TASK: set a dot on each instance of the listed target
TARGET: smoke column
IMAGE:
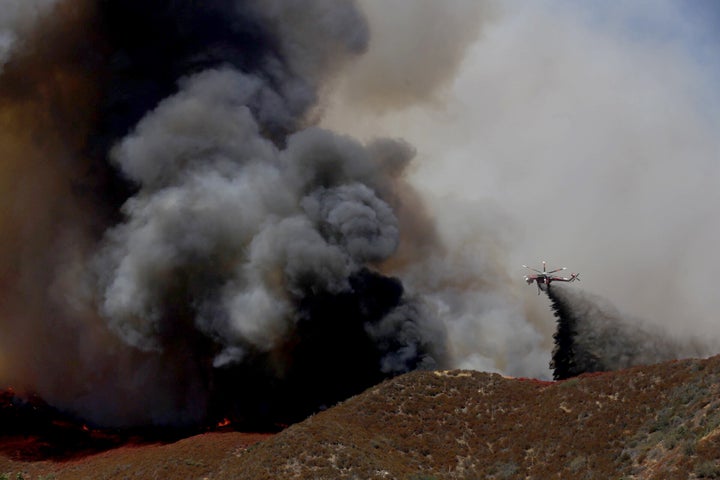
(581, 133)
(197, 218)
(180, 243)
(593, 336)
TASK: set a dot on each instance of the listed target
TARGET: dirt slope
(656, 422)
(652, 422)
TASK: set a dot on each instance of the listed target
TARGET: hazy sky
(581, 133)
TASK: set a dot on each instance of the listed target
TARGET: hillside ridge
(651, 422)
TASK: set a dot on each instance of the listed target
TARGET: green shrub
(577, 463)
(689, 448)
(707, 470)
(506, 471)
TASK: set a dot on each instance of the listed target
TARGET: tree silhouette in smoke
(563, 361)
(593, 336)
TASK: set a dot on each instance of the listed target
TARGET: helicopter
(545, 278)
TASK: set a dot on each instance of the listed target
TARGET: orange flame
(224, 423)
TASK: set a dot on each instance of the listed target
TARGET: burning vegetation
(33, 430)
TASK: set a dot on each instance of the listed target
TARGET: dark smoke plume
(209, 253)
(592, 336)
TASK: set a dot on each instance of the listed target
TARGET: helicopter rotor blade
(533, 269)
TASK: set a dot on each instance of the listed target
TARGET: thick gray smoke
(253, 227)
(229, 262)
(593, 336)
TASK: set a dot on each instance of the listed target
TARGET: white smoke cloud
(592, 130)
(6, 42)
(414, 52)
(16, 19)
(20, 14)
(209, 120)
